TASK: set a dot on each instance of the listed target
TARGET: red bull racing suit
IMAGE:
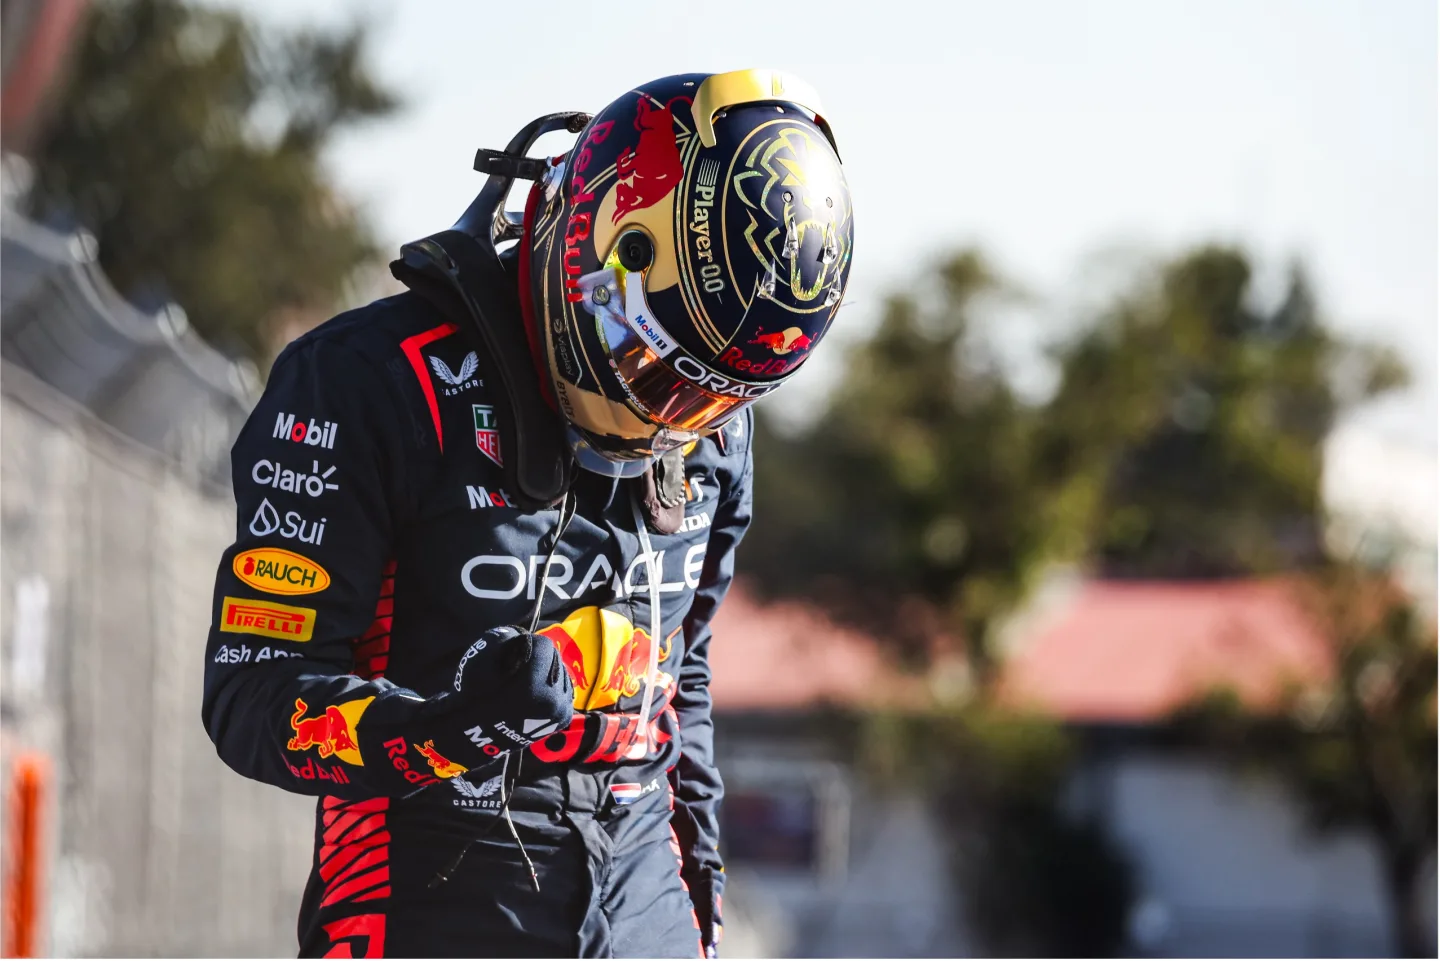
(374, 541)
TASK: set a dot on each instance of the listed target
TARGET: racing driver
(483, 527)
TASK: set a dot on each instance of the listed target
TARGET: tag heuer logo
(487, 438)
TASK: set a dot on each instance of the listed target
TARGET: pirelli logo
(268, 619)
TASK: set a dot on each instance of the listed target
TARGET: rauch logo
(278, 571)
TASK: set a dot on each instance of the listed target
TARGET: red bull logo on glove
(606, 655)
(439, 764)
(331, 733)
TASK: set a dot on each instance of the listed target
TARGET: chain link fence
(114, 509)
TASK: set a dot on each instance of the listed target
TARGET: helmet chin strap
(596, 463)
(533, 332)
(459, 272)
(652, 662)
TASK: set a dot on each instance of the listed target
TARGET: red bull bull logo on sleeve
(331, 733)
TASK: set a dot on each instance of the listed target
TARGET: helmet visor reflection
(642, 351)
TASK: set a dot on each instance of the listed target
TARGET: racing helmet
(683, 259)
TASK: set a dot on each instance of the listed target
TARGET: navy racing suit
(374, 541)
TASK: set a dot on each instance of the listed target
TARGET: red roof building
(1134, 651)
(790, 656)
(1106, 651)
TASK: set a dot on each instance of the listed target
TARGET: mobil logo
(313, 434)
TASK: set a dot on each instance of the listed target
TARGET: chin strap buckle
(504, 164)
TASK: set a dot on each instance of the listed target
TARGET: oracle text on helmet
(693, 371)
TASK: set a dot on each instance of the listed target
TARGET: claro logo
(277, 571)
(268, 473)
(501, 577)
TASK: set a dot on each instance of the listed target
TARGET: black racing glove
(707, 915)
(509, 689)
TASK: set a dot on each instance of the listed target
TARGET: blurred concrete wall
(1227, 866)
(109, 550)
(880, 884)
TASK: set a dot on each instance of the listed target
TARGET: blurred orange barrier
(31, 776)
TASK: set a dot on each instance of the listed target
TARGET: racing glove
(710, 927)
(510, 689)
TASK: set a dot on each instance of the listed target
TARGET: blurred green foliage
(916, 480)
(188, 141)
(1187, 427)
(1183, 440)
(1361, 752)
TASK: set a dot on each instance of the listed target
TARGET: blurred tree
(915, 483)
(1362, 753)
(1188, 425)
(1184, 440)
(188, 142)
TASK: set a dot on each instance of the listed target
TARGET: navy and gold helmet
(684, 258)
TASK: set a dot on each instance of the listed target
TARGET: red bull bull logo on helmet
(792, 340)
(783, 341)
(331, 733)
(606, 655)
(651, 169)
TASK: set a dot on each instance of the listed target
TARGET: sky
(1061, 137)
